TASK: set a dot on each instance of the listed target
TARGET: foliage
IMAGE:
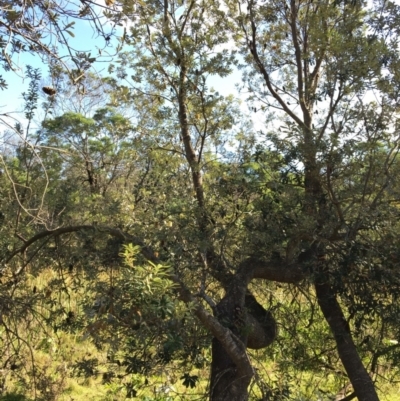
(167, 225)
(46, 28)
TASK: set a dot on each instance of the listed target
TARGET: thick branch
(358, 375)
(186, 138)
(298, 55)
(281, 272)
(235, 348)
(70, 229)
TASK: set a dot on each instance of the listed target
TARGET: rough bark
(358, 375)
(253, 326)
(280, 272)
(227, 382)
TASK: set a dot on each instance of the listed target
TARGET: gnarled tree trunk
(226, 384)
(251, 324)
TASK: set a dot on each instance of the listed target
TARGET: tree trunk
(358, 375)
(225, 383)
(254, 327)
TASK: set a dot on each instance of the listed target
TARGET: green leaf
(71, 24)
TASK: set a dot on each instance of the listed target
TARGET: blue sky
(85, 40)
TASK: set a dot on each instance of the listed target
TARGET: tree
(314, 208)
(322, 59)
(45, 28)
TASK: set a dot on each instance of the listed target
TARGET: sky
(11, 99)
(85, 40)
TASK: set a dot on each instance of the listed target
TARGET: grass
(57, 377)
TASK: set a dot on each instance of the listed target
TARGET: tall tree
(318, 64)
(310, 208)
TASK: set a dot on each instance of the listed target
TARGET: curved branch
(116, 232)
(235, 348)
(281, 271)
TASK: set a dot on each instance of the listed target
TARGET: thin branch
(264, 73)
